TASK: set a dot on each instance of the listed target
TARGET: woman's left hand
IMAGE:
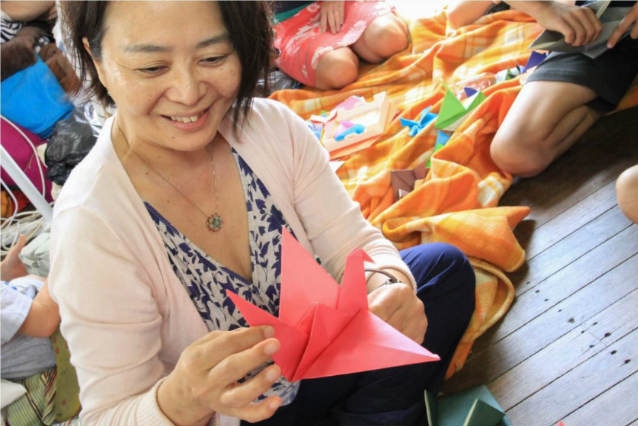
(397, 305)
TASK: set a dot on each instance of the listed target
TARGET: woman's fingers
(243, 393)
(216, 366)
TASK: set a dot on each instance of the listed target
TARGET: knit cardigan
(125, 314)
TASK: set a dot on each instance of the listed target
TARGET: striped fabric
(457, 202)
(36, 407)
(8, 28)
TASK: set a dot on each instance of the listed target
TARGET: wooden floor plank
(490, 363)
(570, 279)
(583, 383)
(570, 248)
(572, 349)
(569, 221)
(615, 406)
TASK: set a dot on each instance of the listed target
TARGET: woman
(322, 42)
(184, 196)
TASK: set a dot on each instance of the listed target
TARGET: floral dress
(206, 280)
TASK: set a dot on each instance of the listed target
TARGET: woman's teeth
(190, 119)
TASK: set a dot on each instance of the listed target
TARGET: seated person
(627, 192)
(321, 43)
(29, 316)
(565, 95)
(185, 196)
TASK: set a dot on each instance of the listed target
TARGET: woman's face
(170, 68)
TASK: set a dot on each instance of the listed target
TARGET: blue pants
(395, 396)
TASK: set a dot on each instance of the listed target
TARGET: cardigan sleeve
(109, 319)
(296, 170)
(333, 221)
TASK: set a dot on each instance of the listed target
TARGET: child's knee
(336, 69)
(627, 192)
(519, 153)
(387, 35)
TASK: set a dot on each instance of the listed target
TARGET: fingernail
(269, 331)
(271, 347)
(273, 374)
(274, 403)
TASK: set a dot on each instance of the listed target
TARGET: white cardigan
(125, 315)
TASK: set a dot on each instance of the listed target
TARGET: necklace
(214, 221)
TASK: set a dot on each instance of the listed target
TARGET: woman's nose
(185, 87)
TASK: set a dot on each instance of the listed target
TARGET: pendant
(214, 222)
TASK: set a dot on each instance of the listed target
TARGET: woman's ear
(87, 47)
(96, 63)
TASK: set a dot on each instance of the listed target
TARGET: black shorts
(609, 75)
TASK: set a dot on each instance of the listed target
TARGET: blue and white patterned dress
(206, 280)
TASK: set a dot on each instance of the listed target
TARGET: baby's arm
(43, 317)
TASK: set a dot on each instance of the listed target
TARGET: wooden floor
(568, 348)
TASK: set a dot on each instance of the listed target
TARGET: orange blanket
(457, 202)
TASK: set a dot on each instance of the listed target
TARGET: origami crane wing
(303, 282)
(367, 343)
(326, 329)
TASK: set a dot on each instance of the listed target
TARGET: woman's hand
(207, 378)
(630, 21)
(331, 16)
(397, 305)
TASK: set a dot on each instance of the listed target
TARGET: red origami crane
(324, 328)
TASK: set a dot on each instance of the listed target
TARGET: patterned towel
(457, 201)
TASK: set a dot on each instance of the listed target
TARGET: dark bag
(71, 140)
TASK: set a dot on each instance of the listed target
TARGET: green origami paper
(453, 110)
(473, 407)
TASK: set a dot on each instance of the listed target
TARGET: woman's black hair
(248, 24)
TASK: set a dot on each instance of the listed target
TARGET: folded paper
(403, 180)
(609, 17)
(416, 126)
(356, 124)
(453, 110)
(326, 329)
(473, 407)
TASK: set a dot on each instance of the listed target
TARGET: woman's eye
(151, 70)
(214, 59)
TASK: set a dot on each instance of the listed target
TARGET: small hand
(401, 308)
(208, 378)
(629, 21)
(331, 16)
(11, 266)
(578, 24)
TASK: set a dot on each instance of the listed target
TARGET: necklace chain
(214, 221)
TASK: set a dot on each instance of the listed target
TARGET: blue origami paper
(416, 126)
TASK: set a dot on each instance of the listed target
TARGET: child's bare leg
(627, 192)
(336, 69)
(543, 122)
(385, 36)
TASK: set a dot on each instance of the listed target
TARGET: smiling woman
(185, 197)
